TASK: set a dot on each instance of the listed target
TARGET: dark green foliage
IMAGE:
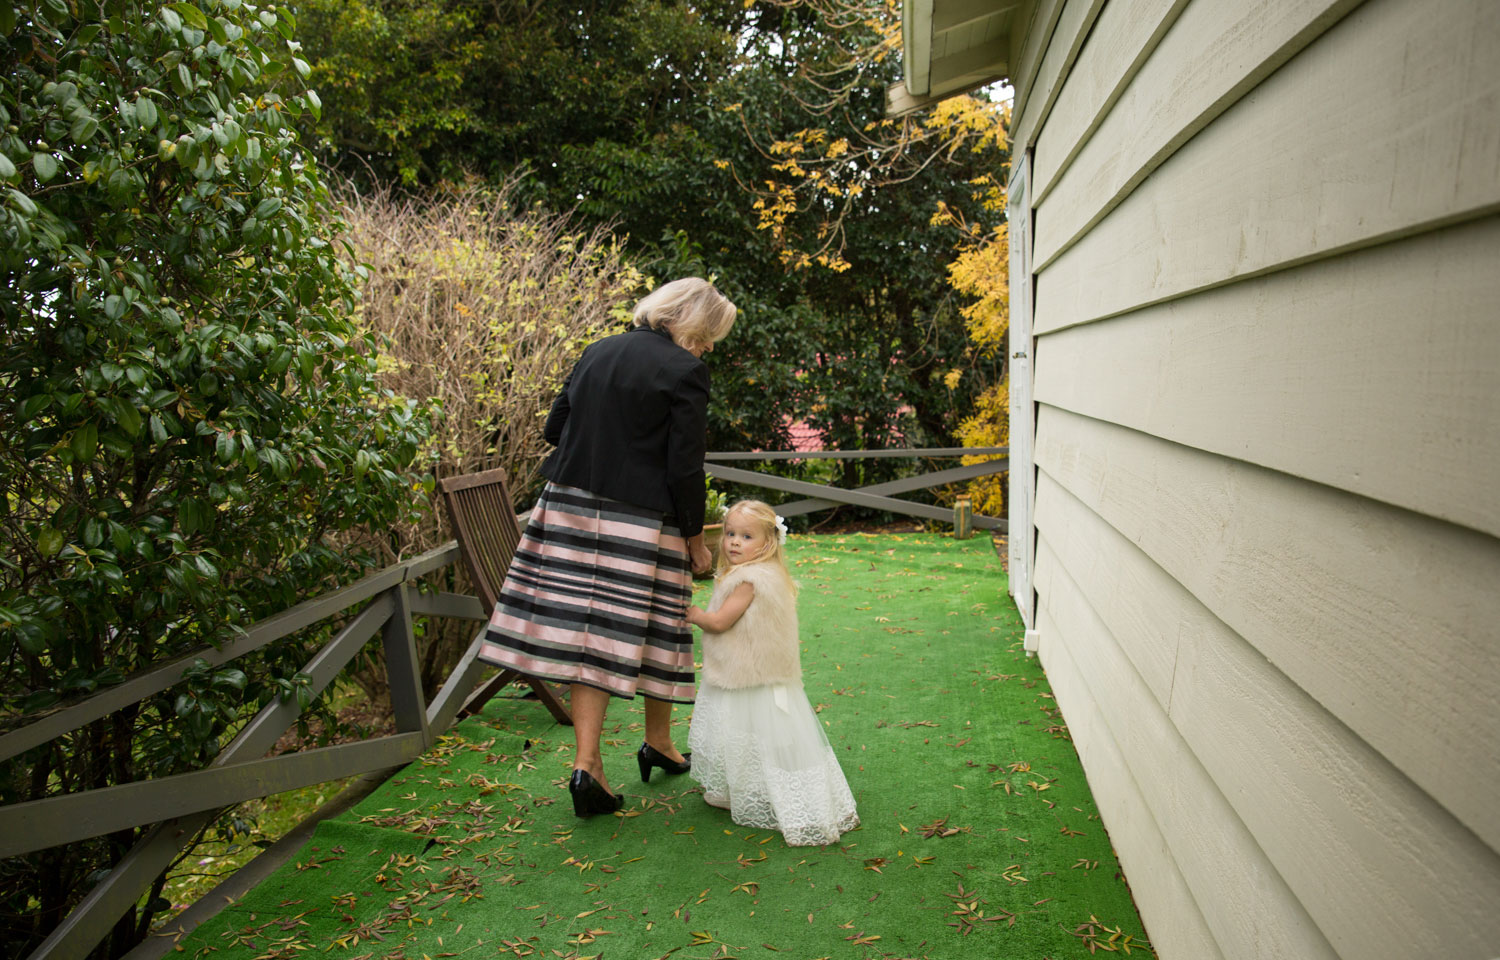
(190, 434)
(655, 116)
(428, 89)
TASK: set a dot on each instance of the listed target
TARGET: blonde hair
(692, 310)
(764, 518)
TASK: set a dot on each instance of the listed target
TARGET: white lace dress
(761, 752)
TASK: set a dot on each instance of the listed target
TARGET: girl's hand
(729, 611)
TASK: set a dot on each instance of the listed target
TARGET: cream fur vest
(762, 647)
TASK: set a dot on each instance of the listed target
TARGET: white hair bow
(780, 529)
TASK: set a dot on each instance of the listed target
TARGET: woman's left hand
(702, 560)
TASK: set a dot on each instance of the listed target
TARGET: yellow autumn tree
(822, 168)
(818, 172)
(981, 271)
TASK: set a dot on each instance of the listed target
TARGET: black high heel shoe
(648, 756)
(590, 798)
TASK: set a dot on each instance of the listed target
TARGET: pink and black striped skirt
(597, 594)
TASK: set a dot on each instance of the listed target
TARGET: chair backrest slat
(484, 521)
(491, 551)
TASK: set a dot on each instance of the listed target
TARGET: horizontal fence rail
(153, 681)
(178, 807)
(817, 496)
(935, 452)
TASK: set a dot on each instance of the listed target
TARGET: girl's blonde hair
(764, 518)
(692, 310)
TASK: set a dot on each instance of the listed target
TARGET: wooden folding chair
(484, 521)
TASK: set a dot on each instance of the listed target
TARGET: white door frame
(1021, 491)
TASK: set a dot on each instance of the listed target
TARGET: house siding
(1266, 337)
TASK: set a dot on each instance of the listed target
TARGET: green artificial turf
(978, 838)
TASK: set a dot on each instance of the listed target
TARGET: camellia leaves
(45, 165)
(145, 111)
(116, 444)
(85, 442)
(83, 129)
(148, 444)
(49, 541)
(33, 405)
(231, 678)
(191, 15)
(280, 466)
(22, 202)
(127, 417)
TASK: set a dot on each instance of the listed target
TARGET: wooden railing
(178, 807)
(877, 496)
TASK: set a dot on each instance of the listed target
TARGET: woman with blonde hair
(597, 594)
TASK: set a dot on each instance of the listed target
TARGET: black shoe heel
(648, 756)
(589, 798)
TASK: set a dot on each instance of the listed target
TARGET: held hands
(728, 613)
(702, 560)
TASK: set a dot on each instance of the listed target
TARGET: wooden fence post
(963, 517)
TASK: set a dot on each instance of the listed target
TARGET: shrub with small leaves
(192, 435)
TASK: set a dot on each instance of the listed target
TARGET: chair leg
(495, 684)
(548, 696)
(485, 693)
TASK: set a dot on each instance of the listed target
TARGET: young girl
(758, 748)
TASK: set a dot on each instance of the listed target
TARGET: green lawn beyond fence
(979, 835)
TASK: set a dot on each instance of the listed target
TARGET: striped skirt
(597, 594)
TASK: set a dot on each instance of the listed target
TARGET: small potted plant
(714, 505)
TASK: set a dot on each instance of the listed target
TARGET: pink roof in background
(805, 438)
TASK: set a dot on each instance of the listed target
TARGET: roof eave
(951, 47)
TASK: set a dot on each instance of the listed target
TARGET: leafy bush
(715, 504)
(485, 306)
(981, 271)
(192, 434)
(988, 426)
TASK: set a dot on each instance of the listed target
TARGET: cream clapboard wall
(1267, 374)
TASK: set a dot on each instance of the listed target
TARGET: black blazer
(631, 424)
